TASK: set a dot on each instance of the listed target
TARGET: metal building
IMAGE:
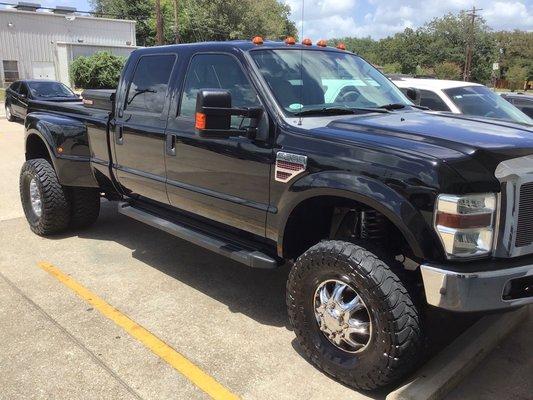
(40, 44)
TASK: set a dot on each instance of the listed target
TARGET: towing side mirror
(214, 112)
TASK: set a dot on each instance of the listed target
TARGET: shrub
(392, 68)
(517, 76)
(99, 71)
(448, 70)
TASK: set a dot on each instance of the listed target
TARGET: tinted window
(23, 89)
(432, 101)
(148, 88)
(15, 87)
(481, 101)
(49, 89)
(216, 71)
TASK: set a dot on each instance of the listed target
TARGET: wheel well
(36, 148)
(331, 217)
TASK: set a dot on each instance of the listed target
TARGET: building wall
(34, 37)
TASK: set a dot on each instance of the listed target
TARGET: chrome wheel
(35, 198)
(342, 316)
(8, 112)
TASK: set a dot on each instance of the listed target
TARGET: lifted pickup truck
(272, 153)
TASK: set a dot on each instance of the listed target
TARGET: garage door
(43, 70)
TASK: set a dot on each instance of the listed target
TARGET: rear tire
(43, 198)
(392, 338)
(85, 207)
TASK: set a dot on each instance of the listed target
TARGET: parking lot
(224, 325)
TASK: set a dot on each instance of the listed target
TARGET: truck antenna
(301, 65)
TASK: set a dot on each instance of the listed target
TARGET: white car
(460, 97)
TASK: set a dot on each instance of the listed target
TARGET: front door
(139, 132)
(227, 179)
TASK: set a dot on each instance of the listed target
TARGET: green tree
(99, 71)
(517, 76)
(392, 68)
(203, 20)
(447, 70)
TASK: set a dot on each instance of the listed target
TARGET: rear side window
(432, 101)
(216, 71)
(148, 88)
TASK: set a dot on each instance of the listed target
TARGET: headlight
(465, 224)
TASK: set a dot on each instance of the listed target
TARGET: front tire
(9, 113)
(44, 200)
(375, 346)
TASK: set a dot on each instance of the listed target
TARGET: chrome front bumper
(473, 291)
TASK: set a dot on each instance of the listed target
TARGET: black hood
(444, 136)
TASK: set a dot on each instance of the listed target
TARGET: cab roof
(243, 45)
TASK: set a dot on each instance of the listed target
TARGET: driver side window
(217, 71)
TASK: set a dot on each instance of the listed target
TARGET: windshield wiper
(337, 111)
(399, 106)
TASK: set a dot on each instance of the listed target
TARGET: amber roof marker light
(257, 40)
(341, 46)
(289, 40)
(307, 42)
(322, 43)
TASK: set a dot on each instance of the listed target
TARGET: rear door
(139, 131)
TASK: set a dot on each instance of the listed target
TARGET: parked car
(522, 101)
(280, 153)
(460, 97)
(20, 93)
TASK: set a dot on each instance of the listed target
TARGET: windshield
(309, 79)
(481, 101)
(49, 89)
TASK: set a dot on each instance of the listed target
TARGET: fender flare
(368, 191)
(72, 163)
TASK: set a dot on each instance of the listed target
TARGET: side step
(250, 257)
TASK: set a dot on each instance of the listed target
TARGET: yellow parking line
(181, 364)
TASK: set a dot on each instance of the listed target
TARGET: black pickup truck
(276, 153)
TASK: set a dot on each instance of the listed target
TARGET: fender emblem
(289, 165)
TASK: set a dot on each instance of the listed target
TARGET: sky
(325, 19)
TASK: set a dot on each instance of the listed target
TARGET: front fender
(68, 146)
(370, 192)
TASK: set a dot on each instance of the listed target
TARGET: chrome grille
(524, 231)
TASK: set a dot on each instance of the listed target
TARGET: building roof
(61, 15)
(431, 83)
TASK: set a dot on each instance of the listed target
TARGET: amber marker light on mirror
(307, 42)
(290, 40)
(257, 40)
(200, 121)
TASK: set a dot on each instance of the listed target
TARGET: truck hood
(433, 134)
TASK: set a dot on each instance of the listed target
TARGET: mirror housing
(214, 111)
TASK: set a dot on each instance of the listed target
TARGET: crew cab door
(222, 179)
(139, 131)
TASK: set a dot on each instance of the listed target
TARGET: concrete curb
(443, 372)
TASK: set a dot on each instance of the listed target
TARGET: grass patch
(2, 94)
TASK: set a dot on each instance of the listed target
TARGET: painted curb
(444, 371)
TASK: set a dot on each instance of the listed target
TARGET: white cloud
(381, 18)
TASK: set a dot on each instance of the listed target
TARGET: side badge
(289, 165)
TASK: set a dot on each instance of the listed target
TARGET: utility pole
(470, 43)
(159, 23)
(176, 30)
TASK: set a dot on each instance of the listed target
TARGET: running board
(252, 258)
